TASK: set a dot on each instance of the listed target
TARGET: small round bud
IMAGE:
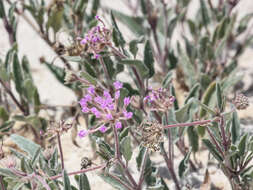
(241, 102)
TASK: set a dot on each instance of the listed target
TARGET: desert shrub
(170, 53)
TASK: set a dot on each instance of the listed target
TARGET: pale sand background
(54, 93)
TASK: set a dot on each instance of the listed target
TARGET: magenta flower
(97, 17)
(127, 101)
(95, 112)
(83, 133)
(117, 94)
(128, 115)
(85, 109)
(97, 56)
(109, 116)
(102, 129)
(91, 90)
(118, 125)
(118, 85)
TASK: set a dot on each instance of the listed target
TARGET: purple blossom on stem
(83, 133)
(127, 101)
(102, 129)
(117, 94)
(128, 115)
(97, 17)
(118, 125)
(109, 116)
(91, 90)
(97, 56)
(118, 85)
(95, 112)
(85, 109)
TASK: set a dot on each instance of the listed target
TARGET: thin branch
(60, 148)
(204, 122)
(79, 172)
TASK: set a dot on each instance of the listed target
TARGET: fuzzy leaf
(183, 114)
(118, 35)
(66, 181)
(243, 145)
(108, 179)
(17, 74)
(141, 67)
(148, 59)
(235, 128)
(193, 138)
(219, 96)
(83, 183)
(126, 148)
(26, 145)
(182, 168)
(193, 92)
(4, 116)
(212, 149)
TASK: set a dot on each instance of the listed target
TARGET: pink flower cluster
(159, 100)
(97, 39)
(105, 108)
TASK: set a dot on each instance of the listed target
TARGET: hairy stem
(170, 166)
(60, 148)
(118, 157)
(2, 183)
(79, 172)
(203, 122)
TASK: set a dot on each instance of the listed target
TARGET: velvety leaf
(173, 93)
(139, 159)
(141, 67)
(235, 128)
(83, 183)
(167, 80)
(212, 149)
(66, 181)
(123, 134)
(126, 148)
(242, 146)
(89, 78)
(171, 26)
(183, 166)
(219, 96)
(204, 13)
(80, 6)
(148, 59)
(244, 23)
(119, 39)
(206, 98)
(17, 74)
(2, 11)
(25, 144)
(114, 183)
(4, 116)
(55, 19)
(183, 114)
(133, 23)
(193, 92)
(7, 173)
(193, 138)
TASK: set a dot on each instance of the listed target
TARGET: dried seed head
(8, 162)
(152, 135)
(159, 100)
(85, 163)
(241, 102)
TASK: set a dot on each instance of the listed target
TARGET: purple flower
(107, 94)
(83, 41)
(97, 56)
(117, 94)
(88, 97)
(118, 125)
(83, 133)
(91, 90)
(118, 85)
(102, 129)
(95, 112)
(127, 101)
(110, 106)
(85, 109)
(109, 116)
(83, 102)
(128, 115)
(97, 17)
(99, 99)
(172, 99)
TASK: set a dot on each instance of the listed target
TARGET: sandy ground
(54, 93)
